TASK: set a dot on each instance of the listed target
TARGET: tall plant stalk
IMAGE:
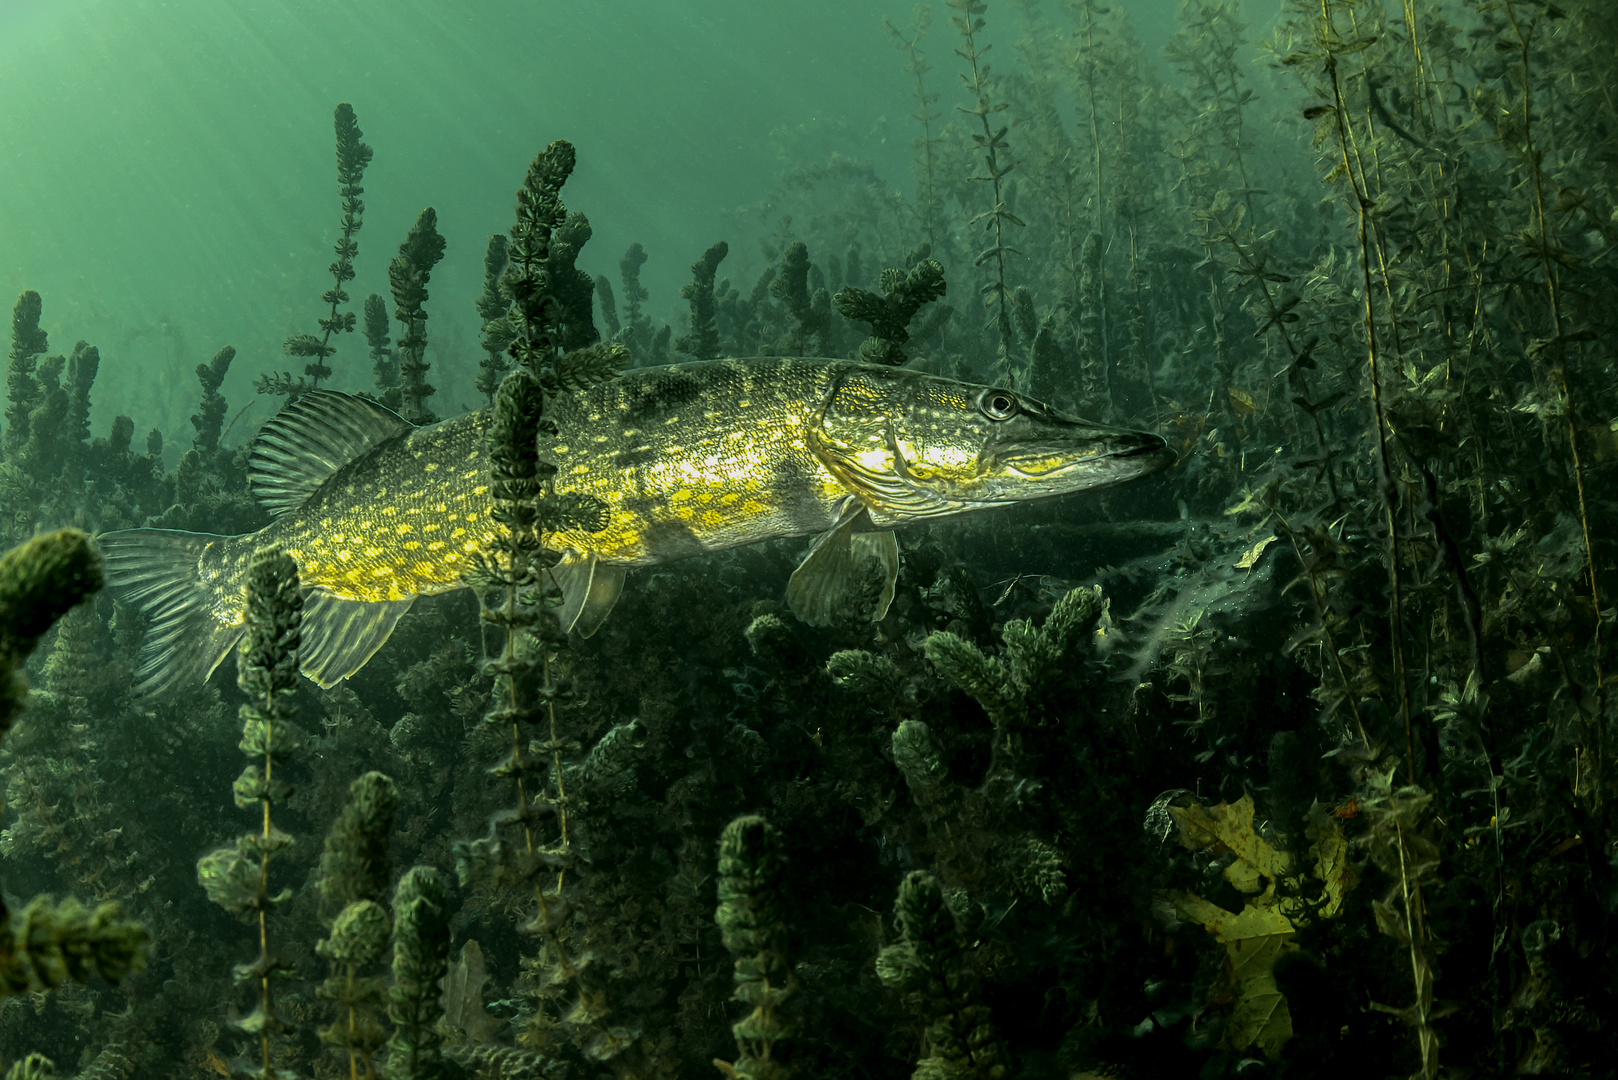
(520, 568)
(1354, 177)
(352, 158)
(969, 23)
(928, 203)
(1555, 347)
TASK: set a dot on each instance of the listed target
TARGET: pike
(687, 459)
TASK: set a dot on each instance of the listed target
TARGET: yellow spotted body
(402, 521)
(686, 458)
(405, 521)
(692, 458)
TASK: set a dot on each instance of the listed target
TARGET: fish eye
(998, 404)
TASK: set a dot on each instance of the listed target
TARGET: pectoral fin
(837, 568)
(883, 549)
(589, 590)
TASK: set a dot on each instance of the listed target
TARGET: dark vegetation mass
(1296, 760)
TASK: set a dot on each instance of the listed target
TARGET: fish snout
(1149, 450)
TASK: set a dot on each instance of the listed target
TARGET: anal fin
(339, 635)
(606, 585)
(590, 588)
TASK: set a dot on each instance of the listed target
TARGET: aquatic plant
(969, 22)
(384, 361)
(751, 918)
(808, 311)
(701, 342)
(352, 158)
(572, 289)
(636, 332)
(889, 315)
(491, 305)
(929, 199)
(518, 572)
(408, 275)
(28, 342)
(237, 878)
(210, 419)
(46, 444)
(609, 305)
(48, 942)
(930, 963)
(40, 581)
(420, 959)
(354, 872)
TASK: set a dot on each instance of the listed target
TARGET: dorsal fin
(313, 437)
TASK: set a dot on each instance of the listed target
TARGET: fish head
(916, 446)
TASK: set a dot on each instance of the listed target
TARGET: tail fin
(187, 632)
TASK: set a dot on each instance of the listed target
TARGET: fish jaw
(1075, 456)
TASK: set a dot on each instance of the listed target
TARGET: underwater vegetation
(1298, 759)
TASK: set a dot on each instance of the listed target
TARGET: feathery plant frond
(352, 158)
(238, 878)
(520, 598)
(408, 275)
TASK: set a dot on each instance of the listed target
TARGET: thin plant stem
(1385, 484)
(264, 878)
(1558, 350)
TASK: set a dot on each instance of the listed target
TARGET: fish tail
(188, 630)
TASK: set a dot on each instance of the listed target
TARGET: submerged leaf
(463, 995)
(1255, 937)
(1230, 825)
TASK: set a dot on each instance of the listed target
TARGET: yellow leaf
(1230, 826)
(463, 995)
(1241, 402)
(1332, 868)
(1253, 938)
(1261, 1017)
(1251, 556)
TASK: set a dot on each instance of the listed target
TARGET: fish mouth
(1138, 454)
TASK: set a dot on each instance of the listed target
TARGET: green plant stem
(353, 1026)
(1384, 470)
(1416, 932)
(918, 67)
(1558, 347)
(264, 877)
(992, 142)
(1099, 314)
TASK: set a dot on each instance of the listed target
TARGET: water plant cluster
(1297, 760)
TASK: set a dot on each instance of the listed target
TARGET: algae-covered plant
(1297, 759)
(352, 158)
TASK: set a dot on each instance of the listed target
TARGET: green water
(167, 171)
